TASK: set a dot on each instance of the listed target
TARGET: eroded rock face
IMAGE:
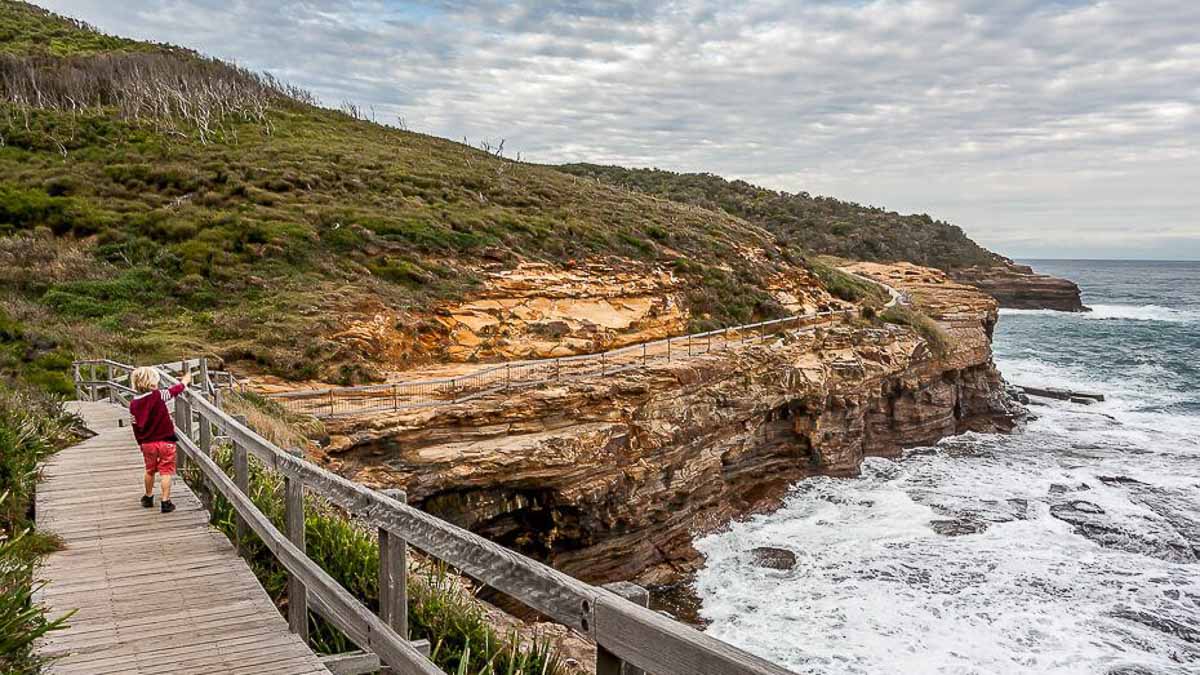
(1019, 287)
(611, 477)
(539, 311)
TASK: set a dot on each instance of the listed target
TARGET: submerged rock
(957, 527)
(1162, 624)
(1150, 537)
(774, 558)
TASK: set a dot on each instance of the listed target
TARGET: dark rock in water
(1189, 634)
(1119, 480)
(1077, 506)
(774, 558)
(680, 600)
(1146, 536)
(957, 527)
(1131, 670)
(1059, 488)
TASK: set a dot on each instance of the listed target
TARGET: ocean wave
(1106, 312)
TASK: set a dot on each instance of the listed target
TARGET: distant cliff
(844, 229)
(1019, 287)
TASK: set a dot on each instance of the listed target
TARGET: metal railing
(628, 635)
(358, 400)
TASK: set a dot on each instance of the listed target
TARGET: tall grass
(441, 610)
(847, 286)
(32, 427)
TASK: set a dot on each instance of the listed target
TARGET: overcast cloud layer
(1045, 129)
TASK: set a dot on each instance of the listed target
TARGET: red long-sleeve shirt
(151, 419)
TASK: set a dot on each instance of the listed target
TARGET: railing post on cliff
(241, 478)
(183, 420)
(293, 516)
(608, 663)
(668, 350)
(643, 353)
(602, 362)
(331, 401)
(393, 575)
(206, 385)
(507, 376)
(395, 398)
(689, 344)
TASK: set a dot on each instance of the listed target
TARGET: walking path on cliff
(477, 381)
(155, 592)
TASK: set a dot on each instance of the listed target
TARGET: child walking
(155, 432)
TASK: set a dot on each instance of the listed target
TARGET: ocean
(1070, 547)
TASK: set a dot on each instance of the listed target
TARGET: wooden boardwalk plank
(155, 593)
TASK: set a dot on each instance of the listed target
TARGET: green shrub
(32, 427)
(938, 340)
(847, 286)
(36, 359)
(22, 621)
(133, 290)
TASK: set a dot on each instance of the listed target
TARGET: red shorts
(159, 457)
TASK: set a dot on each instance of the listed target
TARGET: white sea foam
(1102, 312)
(880, 587)
(877, 590)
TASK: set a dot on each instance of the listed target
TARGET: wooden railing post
(297, 594)
(183, 422)
(393, 575)
(206, 386)
(78, 377)
(108, 377)
(608, 663)
(241, 478)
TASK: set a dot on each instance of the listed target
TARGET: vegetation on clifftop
(174, 203)
(823, 224)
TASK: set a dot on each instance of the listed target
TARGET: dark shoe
(147, 501)
(167, 506)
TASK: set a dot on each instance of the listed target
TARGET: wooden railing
(629, 637)
(358, 400)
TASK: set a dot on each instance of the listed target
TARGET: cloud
(1034, 125)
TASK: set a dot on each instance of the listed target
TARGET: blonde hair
(144, 379)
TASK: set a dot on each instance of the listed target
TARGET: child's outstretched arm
(177, 388)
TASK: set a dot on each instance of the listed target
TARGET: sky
(1045, 129)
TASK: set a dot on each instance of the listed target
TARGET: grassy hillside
(823, 224)
(155, 203)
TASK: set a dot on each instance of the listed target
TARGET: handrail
(512, 375)
(623, 631)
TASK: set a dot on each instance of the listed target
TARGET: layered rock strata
(611, 477)
(1019, 287)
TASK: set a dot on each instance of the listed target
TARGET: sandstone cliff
(611, 477)
(1019, 287)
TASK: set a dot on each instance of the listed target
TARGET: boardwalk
(156, 593)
